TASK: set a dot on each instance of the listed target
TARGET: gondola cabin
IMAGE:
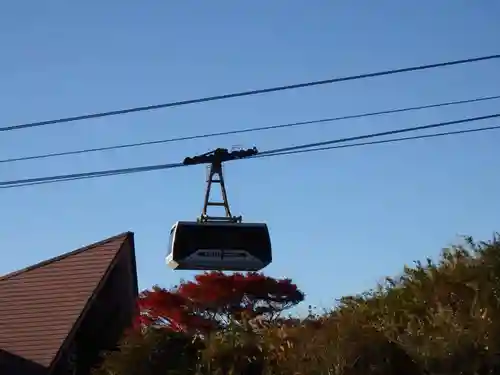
(221, 246)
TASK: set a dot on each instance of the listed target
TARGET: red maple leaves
(214, 300)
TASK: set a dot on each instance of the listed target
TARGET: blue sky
(339, 220)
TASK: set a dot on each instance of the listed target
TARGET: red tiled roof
(40, 305)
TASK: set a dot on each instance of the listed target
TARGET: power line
(275, 152)
(249, 130)
(248, 93)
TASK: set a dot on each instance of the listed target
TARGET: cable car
(219, 243)
(222, 246)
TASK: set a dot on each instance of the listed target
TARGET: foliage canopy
(438, 317)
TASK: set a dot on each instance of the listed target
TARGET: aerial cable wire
(247, 93)
(275, 152)
(112, 172)
(349, 145)
(383, 141)
(380, 134)
(250, 130)
(89, 176)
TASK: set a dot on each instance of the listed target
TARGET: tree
(216, 301)
(152, 352)
(435, 318)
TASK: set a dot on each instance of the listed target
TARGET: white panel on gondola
(219, 246)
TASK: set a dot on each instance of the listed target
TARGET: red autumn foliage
(214, 300)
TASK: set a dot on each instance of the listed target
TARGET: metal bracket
(215, 175)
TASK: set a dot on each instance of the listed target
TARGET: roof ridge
(65, 255)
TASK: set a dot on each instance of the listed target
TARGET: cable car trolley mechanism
(219, 243)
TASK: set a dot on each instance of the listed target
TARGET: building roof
(41, 305)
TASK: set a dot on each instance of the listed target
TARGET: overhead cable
(388, 140)
(86, 175)
(380, 134)
(247, 93)
(349, 145)
(274, 152)
(249, 130)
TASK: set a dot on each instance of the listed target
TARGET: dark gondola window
(255, 239)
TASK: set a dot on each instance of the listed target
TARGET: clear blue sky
(340, 220)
